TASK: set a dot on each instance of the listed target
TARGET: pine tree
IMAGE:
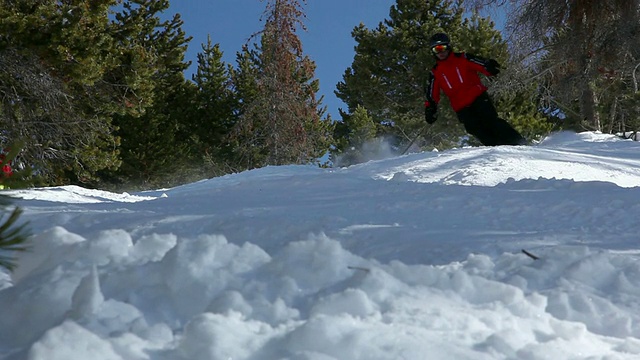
(392, 62)
(245, 82)
(215, 110)
(352, 136)
(155, 143)
(282, 123)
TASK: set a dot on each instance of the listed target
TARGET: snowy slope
(412, 257)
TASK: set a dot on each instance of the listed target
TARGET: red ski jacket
(457, 76)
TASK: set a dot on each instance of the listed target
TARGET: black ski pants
(481, 120)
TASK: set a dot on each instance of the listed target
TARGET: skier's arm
(432, 96)
(488, 67)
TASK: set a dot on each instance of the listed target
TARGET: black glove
(493, 67)
(430, 113)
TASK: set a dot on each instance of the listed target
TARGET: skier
(456, 74)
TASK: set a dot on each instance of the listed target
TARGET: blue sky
(327, 40)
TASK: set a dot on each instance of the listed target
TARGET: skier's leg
(475, 124)
(502, 133)
(507, 134)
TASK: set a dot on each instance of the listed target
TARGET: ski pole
(414, 140)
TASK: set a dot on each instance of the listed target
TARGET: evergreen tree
(282, 123)
(155, 144)
(352, 136)
(392, 63)
(245, 82)
(215, 110)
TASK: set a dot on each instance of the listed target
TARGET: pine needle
(13, 239)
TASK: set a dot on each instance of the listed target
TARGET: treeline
(95, 92)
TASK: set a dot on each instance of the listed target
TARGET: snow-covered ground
(413, 257)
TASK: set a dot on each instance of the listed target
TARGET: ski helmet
(439, 39)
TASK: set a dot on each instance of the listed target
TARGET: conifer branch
(13, 238)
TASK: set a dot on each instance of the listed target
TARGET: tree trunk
(612, 115)
(588, 105)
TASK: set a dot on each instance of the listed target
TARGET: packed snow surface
(412, 257)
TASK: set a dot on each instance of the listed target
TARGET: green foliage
(54, 58)
(521, 109)
(362, 128)
(65, 69)
(13, 237)
(352, 135)
(21, 176)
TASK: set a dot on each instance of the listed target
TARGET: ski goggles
(440, 48)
